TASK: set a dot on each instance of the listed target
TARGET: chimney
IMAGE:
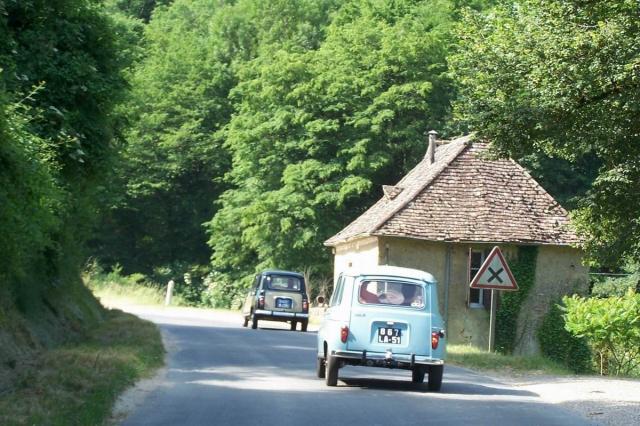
(431, 149)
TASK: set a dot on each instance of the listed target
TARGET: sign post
(494, 274)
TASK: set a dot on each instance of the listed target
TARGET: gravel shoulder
(603, 400)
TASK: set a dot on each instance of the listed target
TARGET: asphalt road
(219, 373)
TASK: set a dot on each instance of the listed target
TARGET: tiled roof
(465, 197)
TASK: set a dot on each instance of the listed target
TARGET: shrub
(560, 345)
(220, 292)
(612, 328)
(188, 279)
(614, 286)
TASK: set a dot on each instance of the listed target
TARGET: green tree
(166, 176)
(56, 139)
(562, 79)
(173, 165)
(612, 328)
(316, 130)
(140, 9)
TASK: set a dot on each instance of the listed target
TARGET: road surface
(219, 373)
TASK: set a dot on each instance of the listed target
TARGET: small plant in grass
(611, 326)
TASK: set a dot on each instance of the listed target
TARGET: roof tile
(464, 196)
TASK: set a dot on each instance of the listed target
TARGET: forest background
(205, 140)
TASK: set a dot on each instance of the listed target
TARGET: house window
(478, 298)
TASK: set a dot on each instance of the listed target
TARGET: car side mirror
(320, 300)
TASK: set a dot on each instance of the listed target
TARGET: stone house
(444, 217)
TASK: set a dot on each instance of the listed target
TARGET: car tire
(435, 377)
(305, 324)
(331, 371)
(245, 322)
(417, 374)
(254, 321)
(294, 324)
(320, 368)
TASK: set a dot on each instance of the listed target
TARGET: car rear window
(392, 293)
(283, 282)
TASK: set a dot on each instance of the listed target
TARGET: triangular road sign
(495, 273)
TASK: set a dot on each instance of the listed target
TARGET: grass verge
(77, 384)
(478, 359)
(114, 289)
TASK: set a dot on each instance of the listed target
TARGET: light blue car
(383, 316)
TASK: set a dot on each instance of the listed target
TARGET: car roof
(390, 271)
(280, 272)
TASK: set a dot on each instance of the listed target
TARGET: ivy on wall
(524, 271)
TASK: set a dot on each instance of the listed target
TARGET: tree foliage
(318, 129)
(140, 9)
(558, 344)
(171, 158)
(172, 167)
(563, 79)
(611, 326)
(60, 81)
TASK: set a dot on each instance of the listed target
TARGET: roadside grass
(478, 359)
(114, 289)
(77, 384)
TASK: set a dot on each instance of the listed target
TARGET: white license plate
(389, 335)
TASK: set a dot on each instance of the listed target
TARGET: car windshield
(391, 293)
(283, 282)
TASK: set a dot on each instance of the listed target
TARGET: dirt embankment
(60, 315)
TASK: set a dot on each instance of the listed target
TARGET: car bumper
(262, 313)
(383, 359)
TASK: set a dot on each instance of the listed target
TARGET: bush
(114, 287)
(612, 328)
(561, 346)
(188, 279)
(220, 292)
(614, 286)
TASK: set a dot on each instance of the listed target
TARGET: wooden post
(167, 299)
(492, 320)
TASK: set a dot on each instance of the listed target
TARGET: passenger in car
(366, 296)
(409, 293)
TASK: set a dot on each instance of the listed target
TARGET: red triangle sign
(495, 273)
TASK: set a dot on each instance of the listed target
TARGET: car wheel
(332, 371)
(245, 322)
(294, 324)
(304, 325)
(435, 377)
(320, 368)
(417, 374)
(254, 321)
